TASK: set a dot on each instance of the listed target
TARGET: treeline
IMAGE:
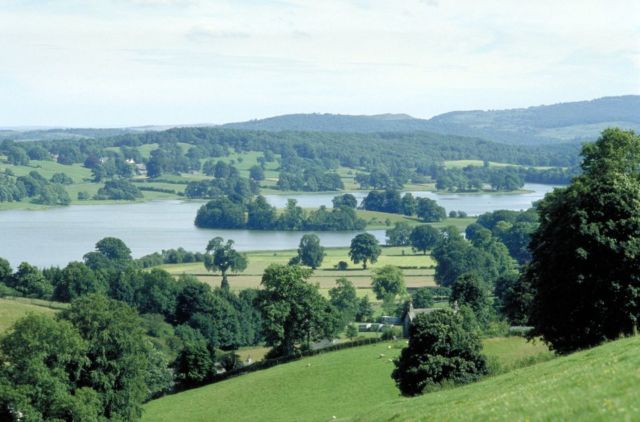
(35, 187)
(475, 178)
(131, 335)
(390, 201)
(257, 214)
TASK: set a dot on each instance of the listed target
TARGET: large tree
(364, 248)
(293, 310)
(424, 237)
(585, 267)
(223, 257)
(310, 252)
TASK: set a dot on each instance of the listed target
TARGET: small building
(410, 315)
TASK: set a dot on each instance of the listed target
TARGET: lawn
(340, 384)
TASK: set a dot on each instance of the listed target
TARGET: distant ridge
(564, 122)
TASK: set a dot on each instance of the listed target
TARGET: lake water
(57, 236)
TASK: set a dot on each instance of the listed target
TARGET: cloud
(200, 34)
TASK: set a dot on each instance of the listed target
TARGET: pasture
(12, 310)
(418, 269)
(341, 384)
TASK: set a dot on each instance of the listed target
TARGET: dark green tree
(76, 280)
(424, 237)
(364, 248)
(388, 282)
(585, 267)
(440, 349)
(429, 210)
(422, 298)
(469, 290)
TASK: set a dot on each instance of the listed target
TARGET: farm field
(451, 164)
(419, 275)
(340, 384)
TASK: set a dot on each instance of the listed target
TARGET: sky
(113, 63)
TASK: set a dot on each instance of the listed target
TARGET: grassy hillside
(12, 310)
(595, 385)
(338, 384)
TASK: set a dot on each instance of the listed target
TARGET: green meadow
(341, 384)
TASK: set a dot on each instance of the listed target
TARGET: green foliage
(62, 179)
(514, 295)
(440, 350)
(119, 190)
(77, 280)
(388, 282)
(585, 265)
(30, 282)
(345, 200)
(364, 248)
(400, 234)
(351, 332)
(293, 310)
(343, 297)
(424, 237)
(223, 257)
(429, 210)
(310, 252)
(468, 290)
(365, 310)
(116, 352)
(221, 213)
(42, 364)
(422, 298)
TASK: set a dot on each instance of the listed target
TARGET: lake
(57, 236)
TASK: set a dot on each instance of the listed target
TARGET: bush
(342, 266)
(441, 350)
(391, 333)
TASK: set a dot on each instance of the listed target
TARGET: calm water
(59, 235)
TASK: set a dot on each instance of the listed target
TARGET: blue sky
(137, 62)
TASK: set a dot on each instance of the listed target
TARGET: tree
(422, 298)
(429, 210)
(256, 173)
(77, 279)
(399, 235)
(364, 248)
(17, 156)
(223, 257)
(114, 249)
(5, 270)
(343, 297)
(514, 295)
(468, 290)
(424, 237)
(365, 310)
(221, 213)
(117, 354)
(261, 215)
(585, 267)
(40, 375)
(440, 349)
(346, 200)
(388, 282)
(310, 252)
(29, 281)
(352, 331)
(293, 311)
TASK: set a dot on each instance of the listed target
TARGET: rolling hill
(564, 122)
(354, 384)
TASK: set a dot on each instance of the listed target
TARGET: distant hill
(565, 122)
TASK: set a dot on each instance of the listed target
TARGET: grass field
(600, 384)
(325, 275)
(12, 310)
(341, 384)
